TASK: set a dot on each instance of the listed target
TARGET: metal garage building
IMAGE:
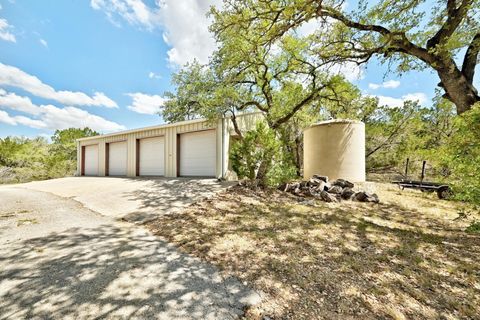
(194, 148)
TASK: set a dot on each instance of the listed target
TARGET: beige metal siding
(169, 131)
(245, 122)
(79, 157)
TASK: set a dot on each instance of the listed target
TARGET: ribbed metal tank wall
(335, 148)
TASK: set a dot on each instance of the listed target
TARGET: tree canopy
(282, 81)
(409, 34)
(25, 159)
(265, 62)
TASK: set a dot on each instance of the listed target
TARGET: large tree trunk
(262, 173)
(458, 89)
(457, 83)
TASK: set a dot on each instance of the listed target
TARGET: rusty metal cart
(443, 190)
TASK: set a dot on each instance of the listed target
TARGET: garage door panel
(91, 160)
(152, 156)
(198, 154)
(117, 159)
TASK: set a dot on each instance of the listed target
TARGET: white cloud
(134, 12)
(146, 104)
(350, 70)
(37, 124)
(184, 24)
(5, 33)
(417, 96)
(18, 103)
(308, 28)
(43, 42)
(420, 97)
(390, 84)
(50, 117)
(186, 29)
(5, 118)
(390, 101)
(14, 77)
(53, 118)
(57, 118)
(153, 75)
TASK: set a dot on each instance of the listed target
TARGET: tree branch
(395, 41)
(252, 103)
(313, 95)
(235, 124)
(470, 60)
(391, 136)
(454, 17)
(332, 13)
(266, 86)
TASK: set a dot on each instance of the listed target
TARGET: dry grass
(406, 258)
(21, 222)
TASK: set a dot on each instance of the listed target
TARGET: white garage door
(91, 160)
(117, 159)
(152, 157)
(198, 154)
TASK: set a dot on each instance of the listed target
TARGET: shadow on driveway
(167, 195)
(130, 199)
(112, 272)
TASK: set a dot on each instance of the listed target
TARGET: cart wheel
(444, 192)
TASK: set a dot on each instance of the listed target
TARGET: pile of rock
(320, 188)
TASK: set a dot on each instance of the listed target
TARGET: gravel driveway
(61, 260)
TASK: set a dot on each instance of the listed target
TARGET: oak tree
(443, 35)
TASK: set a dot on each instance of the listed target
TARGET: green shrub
(24, 159)
(259, 156)
(474, 227)
(461, 154)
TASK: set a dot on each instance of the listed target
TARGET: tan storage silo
(335, 148)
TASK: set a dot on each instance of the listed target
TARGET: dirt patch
(408, 257)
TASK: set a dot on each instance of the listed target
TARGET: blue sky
(106, 64)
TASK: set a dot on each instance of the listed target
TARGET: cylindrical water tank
(335, 148)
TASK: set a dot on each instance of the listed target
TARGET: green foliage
(281, 81)
(263, 63)
(63, 141)
(450, 144)
(461, 154)
(198, 94)
(410, 131)
(258, 146)
(24, 159)
(260, 151)
(62, 160)
(406, 35)
(394, 134)
(474, 227)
